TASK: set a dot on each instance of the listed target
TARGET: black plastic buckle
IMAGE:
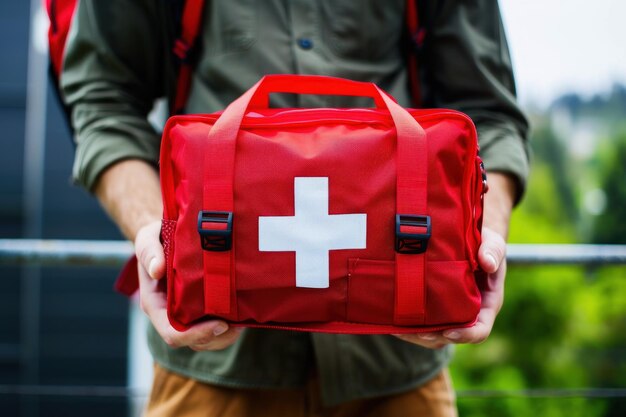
(412, 243)
(216, 240)
(484, 177)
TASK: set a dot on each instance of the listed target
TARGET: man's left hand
(492, 260)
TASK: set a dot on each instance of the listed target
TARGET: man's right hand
(208, 335)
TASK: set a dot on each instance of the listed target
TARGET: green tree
(561, 326)
(610, 226)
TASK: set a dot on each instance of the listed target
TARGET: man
(117, 64)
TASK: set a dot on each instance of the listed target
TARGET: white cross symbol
(312, 232)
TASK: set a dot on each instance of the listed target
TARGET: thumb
(492, 251)
(149, 250)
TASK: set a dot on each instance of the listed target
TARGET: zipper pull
(484, 176)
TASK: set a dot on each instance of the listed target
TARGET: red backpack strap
(417, 35)
(60, 13)
(128, 281)
(190, 28)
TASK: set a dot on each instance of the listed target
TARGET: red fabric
(411, 198)
(60, 13)
(127, 282)
(417, 37)
(245, 161)
(190, 28)
(183, 84)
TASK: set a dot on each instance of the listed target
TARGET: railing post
(34, 158)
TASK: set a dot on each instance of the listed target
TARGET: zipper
(298, 117)
(303, 117)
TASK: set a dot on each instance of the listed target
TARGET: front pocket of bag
(452, 295)
(370, 291)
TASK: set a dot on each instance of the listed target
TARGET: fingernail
(427, 336)
(219, 329)
(152, 267)
(453, 335)
(491, 261)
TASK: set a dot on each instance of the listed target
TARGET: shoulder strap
(183, 46)
(417, 34)
(60, 13)
(128, 281)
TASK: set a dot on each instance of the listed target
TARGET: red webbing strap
(218, 195)
(60, 14)
(183, 84)
(127, 281)
(190, 27)
(417, 38)
(219, 169)
(411, 199)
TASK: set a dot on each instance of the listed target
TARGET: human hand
(208, 335)
(492, 261)
(491, 258)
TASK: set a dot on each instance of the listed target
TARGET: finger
(427, 340)
(492, 290)
(214, 334)
(204, 332)
(209, 335)
(220, 342)
(151, 297)
(150, 251)
(153, 302)
(475, 334)
(492, 251)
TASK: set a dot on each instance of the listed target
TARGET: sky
(561, 46)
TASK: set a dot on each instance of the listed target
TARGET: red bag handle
(312, 84)
(411, 190)
(227, 126)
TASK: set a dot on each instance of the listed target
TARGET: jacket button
(305, 43)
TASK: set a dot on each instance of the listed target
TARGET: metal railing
(64, 252)
(116, 253)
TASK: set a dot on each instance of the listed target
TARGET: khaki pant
(176, 396)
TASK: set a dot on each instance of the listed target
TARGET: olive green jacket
(118, 62)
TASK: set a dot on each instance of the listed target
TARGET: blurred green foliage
(562, 327)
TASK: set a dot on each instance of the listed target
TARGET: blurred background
(560, 340)
(68, 344)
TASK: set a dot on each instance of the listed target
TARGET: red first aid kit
(335, 220)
